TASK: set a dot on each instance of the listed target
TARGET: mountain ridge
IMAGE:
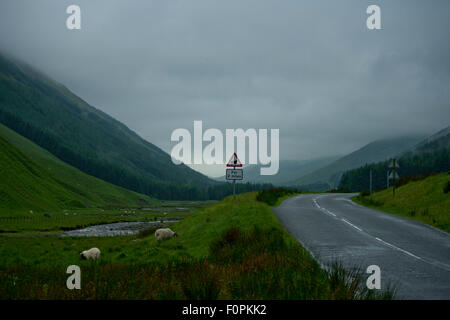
(49, 114)
(372, 152)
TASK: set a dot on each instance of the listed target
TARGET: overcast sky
(310, 68)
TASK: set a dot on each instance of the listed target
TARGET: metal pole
(387, 179)
(234, 184)
(393, 177)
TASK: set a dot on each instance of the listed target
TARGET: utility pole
(387, 179)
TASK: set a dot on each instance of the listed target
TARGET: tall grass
(421, 198)
(258, 264)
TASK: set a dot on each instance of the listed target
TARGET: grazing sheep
(93, 253)
(164, 233)
(31, 211)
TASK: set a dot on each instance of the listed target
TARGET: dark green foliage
(447, 187)
(365, 193)
(412, 168)
(271, 196)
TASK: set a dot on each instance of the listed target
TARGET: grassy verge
(229, 250)
(423, 200)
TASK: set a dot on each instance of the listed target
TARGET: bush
(447, 187)
(271, 196)
(364, 193)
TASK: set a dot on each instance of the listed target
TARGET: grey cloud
(310, 68)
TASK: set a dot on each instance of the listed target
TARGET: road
(412, 255)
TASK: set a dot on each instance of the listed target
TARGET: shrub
(364, 193)
(447, 187)
(271, 196)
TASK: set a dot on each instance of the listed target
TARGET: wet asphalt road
(413, 256)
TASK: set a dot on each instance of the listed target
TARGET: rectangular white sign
(235, 174)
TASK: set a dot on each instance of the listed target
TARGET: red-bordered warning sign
(234, 161)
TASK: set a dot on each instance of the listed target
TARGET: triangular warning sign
(234, 161)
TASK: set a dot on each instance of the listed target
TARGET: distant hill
(376, 151)
(431, 155)
(34, 179)
(287, 170)
(50, 115)
(435, 142)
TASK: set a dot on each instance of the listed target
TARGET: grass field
(66, 219)
(424, 200)
(33, 179)
(227, 250)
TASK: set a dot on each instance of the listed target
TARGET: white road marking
(331, 213)
(323, 209)
(428, 261)
(399, 249)
(359, 229)
(349, 223)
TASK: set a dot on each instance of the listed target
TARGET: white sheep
(164, 233)
(93, 253)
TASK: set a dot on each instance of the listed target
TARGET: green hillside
(54, 118)
(34, 179)
(431, 155)
(436, 142)
(424, 200)
(370, 153)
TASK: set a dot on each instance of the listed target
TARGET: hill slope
(54, 118)
(435, 142)
(423, 200)
(370, 153)
(32, 178)
(431, 155)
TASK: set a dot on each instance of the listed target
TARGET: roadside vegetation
(422, 164)
(422, 198)
(227, 250)
(273, 196)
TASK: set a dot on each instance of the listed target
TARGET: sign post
(234, 174)
(394, 165)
